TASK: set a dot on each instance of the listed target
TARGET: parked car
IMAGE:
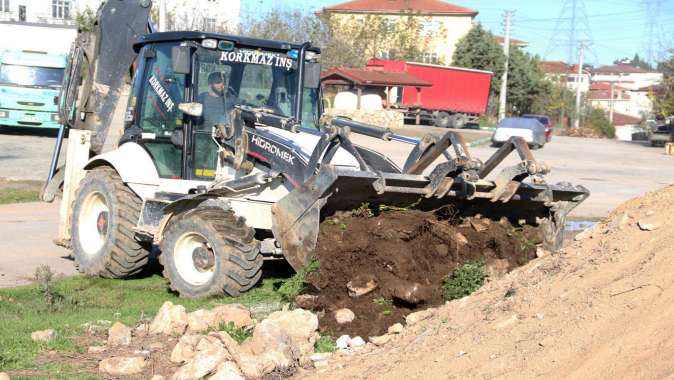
(661, 134)
(530, 129)
(545, 121)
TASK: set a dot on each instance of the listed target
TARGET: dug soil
(406, 255)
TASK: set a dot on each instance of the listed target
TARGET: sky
(617, 28)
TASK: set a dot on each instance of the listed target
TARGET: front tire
(208, 251)
(443, 120)
(104, 215)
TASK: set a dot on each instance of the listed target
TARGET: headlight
(4, 114)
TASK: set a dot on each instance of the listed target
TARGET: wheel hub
(203, 258)
(102, 223)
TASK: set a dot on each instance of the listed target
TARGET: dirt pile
(602, 310)
(399, 259)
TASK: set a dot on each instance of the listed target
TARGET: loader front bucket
(297, 216)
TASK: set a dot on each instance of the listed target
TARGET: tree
(663, 100)
(86, 20)
(479, 50)
(636, 61)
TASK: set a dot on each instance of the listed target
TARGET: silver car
(530, 129)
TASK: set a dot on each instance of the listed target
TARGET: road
(613, 171)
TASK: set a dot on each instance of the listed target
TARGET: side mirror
(312, 74)
(193, 109)
(181, 61)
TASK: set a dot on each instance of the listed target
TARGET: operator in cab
(215, 103)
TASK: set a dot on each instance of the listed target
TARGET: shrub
(293, 286)
(464, 280)
(324, 343)
(596, 119)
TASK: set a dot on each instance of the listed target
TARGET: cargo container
(458, 96)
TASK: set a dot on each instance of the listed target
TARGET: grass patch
(8, 196)
(324, 343)
(292, 287)
(385, 303)
(464, 280)
(239, 334)
(26, 309)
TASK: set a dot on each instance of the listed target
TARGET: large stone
(235, 313)
(344, 315)
(227, 371)
(185, 349)
(43, 335)
(270, 348)
(122, 366)
(361, 285)
(119, 335)
(301, 325)
(209, 352)
(380, 340)
(200, 320)
(342, 343)
(411, 292)
(396, 328)
(416, 317)
(170, 320)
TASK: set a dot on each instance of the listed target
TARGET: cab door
(158, 91)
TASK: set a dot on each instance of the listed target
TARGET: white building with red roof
(566, 74)
(443, 24)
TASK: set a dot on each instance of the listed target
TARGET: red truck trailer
(458, 95)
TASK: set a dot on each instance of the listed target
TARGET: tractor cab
(188, 83)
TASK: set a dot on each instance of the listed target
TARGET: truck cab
(29, 82)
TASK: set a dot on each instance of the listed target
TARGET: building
(443, 24)
(627, 76)
(560, 72)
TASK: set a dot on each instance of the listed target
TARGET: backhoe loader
(214, 148)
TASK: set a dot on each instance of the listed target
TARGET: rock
(396, 328)
(209, 352)
(200, 321)
(478, 226)
(122, 366)
(97, 349)
(321, 356)
(460, 239)
(185, 349)
(647, 226)
(380, 340)
(356, 342)
(170, 320)
(4, 376)
(497, 268)
(235, 313)
(306, 301)
(583, 234)
(119, 335)
(344, 315)
(141, 330)
(416, 317)
(411, 292)
(361, 285)
(227, 371)
(540, 252)
(43, 335)
(270, 348)
(342, 342)
(301, 325)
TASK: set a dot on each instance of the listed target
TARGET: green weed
(324, 343)
(239, 334)
(464, 280)
(293, 286)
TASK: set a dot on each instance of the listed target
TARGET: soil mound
(404, 256)
(601, 310)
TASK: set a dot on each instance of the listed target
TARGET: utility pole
(508, 18)
(162, 15)
(581, 48)
(611, 105)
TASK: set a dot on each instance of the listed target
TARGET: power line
(571, 27)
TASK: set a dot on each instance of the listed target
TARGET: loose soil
(602, 309)
(401, 250)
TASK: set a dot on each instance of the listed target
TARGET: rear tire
(104, 215)
(458, 121)
(443, 120)
(208, 251)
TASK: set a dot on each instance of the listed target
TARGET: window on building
(430, 28)
(429, 58)
(209, 24)
(4, 5)
(60, 9)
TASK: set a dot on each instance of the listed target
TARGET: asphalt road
(613, 171)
